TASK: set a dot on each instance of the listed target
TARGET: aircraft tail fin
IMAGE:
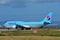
(48, 18)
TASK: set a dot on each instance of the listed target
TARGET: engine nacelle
(10, 26)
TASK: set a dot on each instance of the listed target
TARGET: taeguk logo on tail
(48, 17)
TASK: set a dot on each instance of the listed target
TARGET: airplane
(21, 24)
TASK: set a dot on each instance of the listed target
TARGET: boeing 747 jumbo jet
(20, 24)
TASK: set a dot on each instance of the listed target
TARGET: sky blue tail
(48, 18)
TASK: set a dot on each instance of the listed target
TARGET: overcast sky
(29, 10)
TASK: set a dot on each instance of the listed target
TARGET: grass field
(28, 38)
(50, 32)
